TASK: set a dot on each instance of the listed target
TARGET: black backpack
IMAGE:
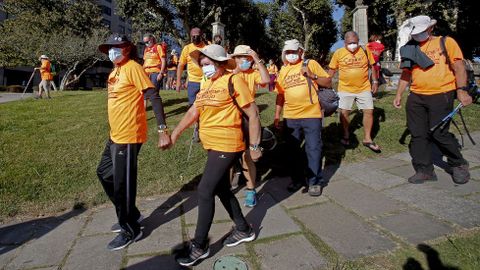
(327, 97)
(268, 141)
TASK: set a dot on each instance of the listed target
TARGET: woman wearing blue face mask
(222, 136)
(245, 57)
(117, 170)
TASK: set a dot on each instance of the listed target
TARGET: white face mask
(115, 54)
(292, 58)
(209, 71)
(352, 47)
(421, 37)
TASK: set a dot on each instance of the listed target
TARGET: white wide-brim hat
(241, 50)
(421, 23)
(214, 52)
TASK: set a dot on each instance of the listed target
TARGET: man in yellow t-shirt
(302, 115)
(273, 72)
(353, 63)
(433, 90)
(46, 75)
(172, 69)
(194, 72)
(245, 57)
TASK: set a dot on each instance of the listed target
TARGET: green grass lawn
(49, 149)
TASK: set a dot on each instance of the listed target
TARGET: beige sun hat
(241, 50)
(214, 52)
(292, 45)
(421, 23)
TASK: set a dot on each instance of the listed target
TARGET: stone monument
(218, 28)
(360, 21)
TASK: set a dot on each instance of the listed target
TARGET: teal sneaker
(250, 198)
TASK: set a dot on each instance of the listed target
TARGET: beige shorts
(364, 100)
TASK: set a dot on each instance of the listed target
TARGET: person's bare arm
(403, 83)
(461, 78)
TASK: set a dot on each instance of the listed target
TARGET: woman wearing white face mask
(117, 170)
(245, 57)
(302, 115)
(221, 135)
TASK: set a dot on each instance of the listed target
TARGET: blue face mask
(209, 71)
(114, 54)
(245, 65)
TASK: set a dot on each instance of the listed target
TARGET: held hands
(164, 141)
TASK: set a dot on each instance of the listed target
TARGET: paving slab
(472, 155)
(167, 201)
(57, 242)
(385, 163)
(446, 183)
(164, 262)
(405, 156)
(277, 188)
(101, 221)
(346, 233)
(439, 203)
(360, 199)
(413, 226)
(475, 197)
(161, 234)
(475, 174)
(7, 253)
(279, 254)
(14, 234)
(92, 253)
(217, 232)
(269, 218)
(376, 179)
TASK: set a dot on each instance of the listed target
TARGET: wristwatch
(464, 88)
(162, 128)
(255, 147)
(261, 61)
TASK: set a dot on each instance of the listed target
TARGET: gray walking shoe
(460, 174)
(421, 177)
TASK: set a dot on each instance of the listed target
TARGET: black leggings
(216, 181)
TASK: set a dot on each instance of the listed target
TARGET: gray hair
(350, 33)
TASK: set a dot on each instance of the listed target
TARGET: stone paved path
(368, 208)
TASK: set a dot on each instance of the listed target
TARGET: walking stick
(30, 80)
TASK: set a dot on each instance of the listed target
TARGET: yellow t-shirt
(173, 61)
(45, 71)
(272, 69)
(220, 120)
(194, 72)
(126, 111)
(438, 78)
(293, 85)
(353, 69)
(153, 59)
(252, 78)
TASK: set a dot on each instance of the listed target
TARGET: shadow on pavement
(13, 236)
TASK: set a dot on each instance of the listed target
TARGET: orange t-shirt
(220, 120)
(293, 85)
(126, 111)
(353, 69)
(195, 73)
(438, 78)
(173, 61)
(272, 69)
(252, 78)
(45, 73)
(153, 58)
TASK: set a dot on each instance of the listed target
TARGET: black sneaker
(421, 177)
(116, 227)
(195, 253)
(236, 237)
(460, 174)
(123, 240)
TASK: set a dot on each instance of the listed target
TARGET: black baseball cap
(115, 40)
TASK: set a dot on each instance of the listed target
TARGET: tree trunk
(66, 81)
(306, 28)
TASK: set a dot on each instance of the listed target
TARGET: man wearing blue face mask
(245, 57)
(117, 170)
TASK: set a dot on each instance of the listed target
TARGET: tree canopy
(69, 32)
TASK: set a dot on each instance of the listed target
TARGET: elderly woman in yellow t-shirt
(245, 57)
(221, 135)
